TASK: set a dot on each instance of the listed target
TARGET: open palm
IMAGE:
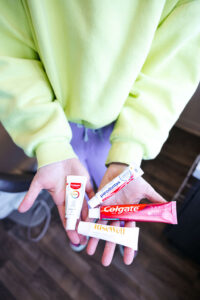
(53, 178)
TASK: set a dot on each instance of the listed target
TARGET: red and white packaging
(75, 191)
(131, 173)
(156, 212)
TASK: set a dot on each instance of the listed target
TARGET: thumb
(30, 197)
(153, 196)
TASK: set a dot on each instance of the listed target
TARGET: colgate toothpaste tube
(114, 186)
(75, 190)
(156, 212)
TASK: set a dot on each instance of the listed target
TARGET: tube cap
(84, 227)
(71, 224)
(136, 170)
(94, 202)
(94, 213)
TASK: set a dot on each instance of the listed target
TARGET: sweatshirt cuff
(51, 152)
(125, 152)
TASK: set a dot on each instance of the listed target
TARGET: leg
(78, 143)
(97, 149)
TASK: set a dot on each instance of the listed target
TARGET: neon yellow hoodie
(93, 62)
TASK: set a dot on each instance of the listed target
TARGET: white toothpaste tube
(114, 186)
(75, 191)
(121, 235)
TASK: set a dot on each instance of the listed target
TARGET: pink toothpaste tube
(114, 186)
(157, 212)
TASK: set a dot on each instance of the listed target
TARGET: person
(114, 69)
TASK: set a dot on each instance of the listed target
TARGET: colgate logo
(75, 185)
(121, 209)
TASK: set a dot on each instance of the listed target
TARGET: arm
(29, 111)
(31, 114)
(165, 84)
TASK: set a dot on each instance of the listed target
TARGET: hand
(132, 193)
(53, 178)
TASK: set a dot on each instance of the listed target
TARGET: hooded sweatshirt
(132, 62)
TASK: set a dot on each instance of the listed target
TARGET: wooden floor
(51, 270)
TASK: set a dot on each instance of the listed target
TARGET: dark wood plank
(57, 263)
(181, 147)
(45, 287)
(16, 282)
(151, 287)
(4, 293)
(71, 260)
(12, 250)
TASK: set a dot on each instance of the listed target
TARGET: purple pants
(92, 147)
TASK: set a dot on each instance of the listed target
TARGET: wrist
(117, 164)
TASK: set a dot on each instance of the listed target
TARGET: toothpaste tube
(121, 235)
(114, 186)
(156, 212)
(75, 191)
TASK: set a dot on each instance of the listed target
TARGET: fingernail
(22, 209)
(83, 240)
(76, 241)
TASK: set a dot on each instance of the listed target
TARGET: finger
(91, 220)
(153, 196)
(84, 212)
(30, 197)
(83, 239)
(109, 249)
(129, 253)
(72, 234)
(89, 189)
(93, 242)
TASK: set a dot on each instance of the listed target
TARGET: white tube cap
(94, 213)
(136, 170)
(71, 224)
(94, 202)
(84, 228)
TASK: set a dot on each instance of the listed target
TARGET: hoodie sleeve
(28, 109)
(165, 84)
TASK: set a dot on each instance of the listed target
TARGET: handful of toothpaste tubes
(156, 212)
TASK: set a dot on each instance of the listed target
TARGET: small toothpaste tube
(121, 235)
(114, 186)
(156, 212)
(75, 190)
